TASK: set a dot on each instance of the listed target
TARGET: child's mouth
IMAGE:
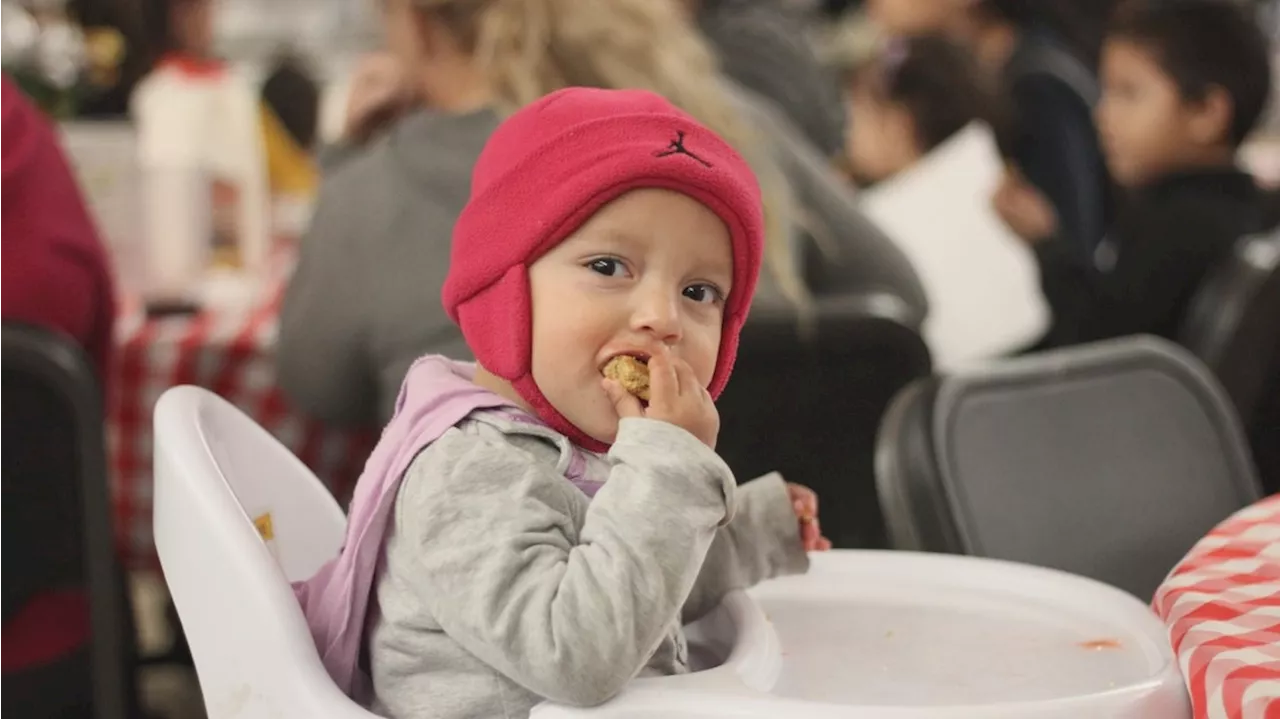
(632, 372)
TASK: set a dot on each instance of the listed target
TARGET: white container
(197, 130)
(982, 281)
(900, 635)
(104, 155)
(178, 229)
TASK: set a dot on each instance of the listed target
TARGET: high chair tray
(903, 635)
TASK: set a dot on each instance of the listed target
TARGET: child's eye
(607, 266)
(703, 293)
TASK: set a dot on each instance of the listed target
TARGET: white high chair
(883, 635)
(216, 472)
(221, 484)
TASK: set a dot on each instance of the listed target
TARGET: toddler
(909, 100)
(527, 530)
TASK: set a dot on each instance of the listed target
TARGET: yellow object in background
(104, 52)
(290, 169)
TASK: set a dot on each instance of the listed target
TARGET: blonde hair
(529, 48)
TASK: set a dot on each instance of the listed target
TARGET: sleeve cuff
(765, 504)
(673, 452)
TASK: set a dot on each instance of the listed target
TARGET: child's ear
(1210, 117)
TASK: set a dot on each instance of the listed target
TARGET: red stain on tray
(1100, 644)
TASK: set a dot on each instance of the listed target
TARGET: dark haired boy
(1183, 85)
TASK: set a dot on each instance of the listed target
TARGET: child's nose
(658, 313)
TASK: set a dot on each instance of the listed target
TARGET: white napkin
(982, 281)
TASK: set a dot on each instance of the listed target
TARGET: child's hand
(675, 396)
(805, 503)
(1024, 209)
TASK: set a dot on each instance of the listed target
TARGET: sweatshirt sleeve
(570, 615)
(762, 542)
(1068, 284)
(1059, 155)
(323, 364)
(1163, 249)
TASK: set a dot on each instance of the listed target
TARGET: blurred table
(1221, 605)
(230, 351)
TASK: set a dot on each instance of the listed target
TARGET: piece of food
(1100, 644)
(631, 373)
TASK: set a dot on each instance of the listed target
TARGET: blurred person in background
(364, 301)
(1050, 138)
(911, 98)
(56, 276)
(56, 269)
(764, 45)
(181, 34)
(1184, 83)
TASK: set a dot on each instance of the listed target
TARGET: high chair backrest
(237, 517)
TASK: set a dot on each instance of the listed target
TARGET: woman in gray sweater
(364, 301)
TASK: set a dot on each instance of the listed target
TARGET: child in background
(906, 102)
(1022, 47)
(527, 530)
(1183, 85)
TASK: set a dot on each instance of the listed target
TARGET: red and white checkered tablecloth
(232, 353)
(1222, 607)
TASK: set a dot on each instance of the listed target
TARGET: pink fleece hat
(543, 173)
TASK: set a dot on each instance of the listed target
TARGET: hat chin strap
(497, 323)
(528, 389)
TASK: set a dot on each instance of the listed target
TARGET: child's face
(880, 138)
(652, 267)
(914, 17)
(1146, 126)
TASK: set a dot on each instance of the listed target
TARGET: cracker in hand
(631, 373)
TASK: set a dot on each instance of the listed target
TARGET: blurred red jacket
(55, 274)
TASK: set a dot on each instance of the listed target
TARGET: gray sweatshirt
(364, 301)
(503, 585)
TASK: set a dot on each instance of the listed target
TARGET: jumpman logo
(676, 147)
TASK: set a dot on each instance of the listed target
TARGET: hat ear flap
(497, 323)
(725, 359)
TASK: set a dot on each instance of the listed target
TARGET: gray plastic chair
(1233, 322)
(1107, 460)
(808, 405)
(1233, 326)
(57, 525)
